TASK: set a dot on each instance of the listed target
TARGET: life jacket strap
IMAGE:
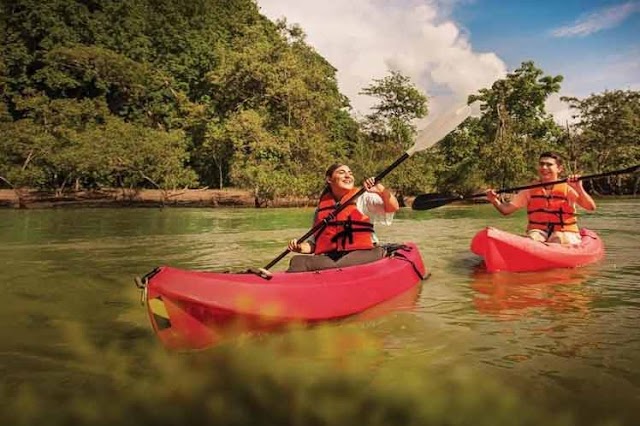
(348, 230)
(350, 222)
(558, 212)
(549, 196)
(551, 225)
(554, 223)
(333, 207)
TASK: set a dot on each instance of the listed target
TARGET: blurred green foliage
(320, 376)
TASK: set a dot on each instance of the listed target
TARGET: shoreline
(128, 198)
(231, 197)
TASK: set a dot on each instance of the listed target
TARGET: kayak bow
(503, 251)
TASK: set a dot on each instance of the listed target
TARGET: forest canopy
(210, 93)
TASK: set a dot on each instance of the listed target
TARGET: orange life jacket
(550, 210)
(349, 230)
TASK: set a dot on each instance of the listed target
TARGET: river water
(565, 338)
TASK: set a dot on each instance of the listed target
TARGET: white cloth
(372, 205)
(557, 237)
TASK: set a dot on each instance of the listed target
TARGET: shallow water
(565, 338)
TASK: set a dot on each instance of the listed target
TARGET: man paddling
(550, 209)
(348, 239)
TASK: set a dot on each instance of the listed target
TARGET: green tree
(400, 102)
(68, 142)
(455, 161)
(606, 136)
(391, 131)
(279, 78)
(515, 124)
(260, 160)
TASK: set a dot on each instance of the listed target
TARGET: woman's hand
(294, 246)
(297, 247)
(371, 186)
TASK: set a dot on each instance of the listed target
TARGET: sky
(453, 48)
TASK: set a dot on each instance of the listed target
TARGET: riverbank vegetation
(175, 95)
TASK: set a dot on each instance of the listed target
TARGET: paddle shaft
(333, 214)
(433, 202)
(587, 177)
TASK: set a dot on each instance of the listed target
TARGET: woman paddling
(348, 239)
(550, 209)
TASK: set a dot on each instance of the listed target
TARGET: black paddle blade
(433, 200)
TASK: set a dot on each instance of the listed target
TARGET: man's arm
(583, 199)
(506, 208)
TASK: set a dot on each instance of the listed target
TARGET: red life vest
(349, 230)
(550, 210)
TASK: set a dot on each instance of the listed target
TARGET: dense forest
(210, 93)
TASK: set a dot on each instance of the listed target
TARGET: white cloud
(599, 20)
(364, 39)
(597, 73)
(560, 110)
(619, 71)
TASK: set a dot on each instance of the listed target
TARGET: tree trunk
(60, 189)
(256, 198)
(21, 198)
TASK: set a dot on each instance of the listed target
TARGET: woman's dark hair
(551, 154)
(332, 168)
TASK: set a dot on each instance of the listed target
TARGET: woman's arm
(389, 200)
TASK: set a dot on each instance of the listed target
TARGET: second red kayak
(190, 309)
(503, 251)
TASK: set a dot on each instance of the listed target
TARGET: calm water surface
(566, 338)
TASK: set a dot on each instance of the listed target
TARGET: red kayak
(503, 251)
(192, 309)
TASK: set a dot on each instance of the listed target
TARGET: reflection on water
(508, 295)
(405, 301)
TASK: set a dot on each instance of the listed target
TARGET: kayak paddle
(427, 137)
(433, 200)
